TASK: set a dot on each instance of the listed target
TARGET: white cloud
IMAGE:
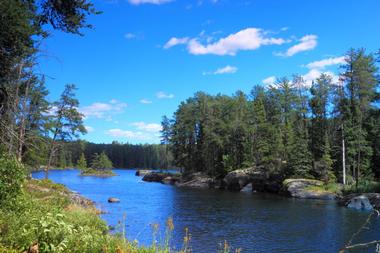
(149, 127)
(89, 129)
(247, 39)
(307, 78)
(103, 110)
(138, 2)
(269, 80)
(308, 42)
(225, 70)
(136, 135)
(145, 101)
(130, 36)
(162, 95)
(176, 41)
(313, 74)
(326, 62)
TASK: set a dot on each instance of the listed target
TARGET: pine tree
(360, 78)
(82, 163)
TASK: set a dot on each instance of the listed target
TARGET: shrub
(12, 175)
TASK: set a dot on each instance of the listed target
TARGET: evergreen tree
(82, 162)
(66, 122)
(101, 162)
(360, 78)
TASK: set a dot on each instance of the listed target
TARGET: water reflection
(253, 222)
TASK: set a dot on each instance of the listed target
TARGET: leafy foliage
(12, 175)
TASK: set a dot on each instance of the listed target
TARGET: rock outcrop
(258, 177)
(302, 188)
(363, 201)
(247, 188)
(113, 200)
(162, 177)
(198, 180)
(238, 179)
(142, 173)
(155, 176)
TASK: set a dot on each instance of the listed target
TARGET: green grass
(327, 188)
(364, 186)
(44, 215)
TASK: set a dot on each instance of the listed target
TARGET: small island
(101, 166)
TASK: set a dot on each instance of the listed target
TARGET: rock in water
(197, 180)
(247, 188)
(360, 203)
(300, 188)
(154, 177)
(113, 200)
(142, 173)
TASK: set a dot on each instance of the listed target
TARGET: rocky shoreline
(257, 180)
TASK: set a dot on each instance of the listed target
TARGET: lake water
(252, 222)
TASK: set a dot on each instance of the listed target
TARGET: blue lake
(252, 222)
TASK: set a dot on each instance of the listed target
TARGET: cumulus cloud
(269, 80)
(149, 127)
(89, 129)
(136, 135)
(103, 110)
(143, 132)
(247, 39)
(326, 62)
(225, 70)
(307, 78)
(313, 74)
(157, 2)
(162, 95)
(306, 43)
(175, 41)
(145, 101)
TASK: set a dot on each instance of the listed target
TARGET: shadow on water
(253, 222)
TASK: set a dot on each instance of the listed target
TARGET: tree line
(327, 131)
(153, 156)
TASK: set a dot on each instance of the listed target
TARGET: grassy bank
(47, 216)
(342, 190)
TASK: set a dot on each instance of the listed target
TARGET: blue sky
(144, 57)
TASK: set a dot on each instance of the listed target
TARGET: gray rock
(197, 180)
(247, 188)
(298, 188)
(360, 203)
(237, 179)
(170, 180)
(373, 198)
(141, 173)
(154, 176)
(113, 200)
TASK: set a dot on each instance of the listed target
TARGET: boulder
(113, 200)
(155, 176)
(300, 188)
(141, 173)
(197, 180)
(360, 203)
(170, 180)
(363, 201)
(237, 179)
(248, 188)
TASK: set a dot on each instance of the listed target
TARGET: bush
(12, 175)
